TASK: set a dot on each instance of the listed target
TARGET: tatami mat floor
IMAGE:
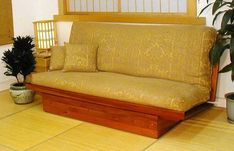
(29, 128)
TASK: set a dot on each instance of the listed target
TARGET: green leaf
(217, 52)
(216, 5)
(232, 75)
(232, 48)
(226, 68)
(216, 16)
(232, 19)
(226, 18)
(220, 12)
(205, 8)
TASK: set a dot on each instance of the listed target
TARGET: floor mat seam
(53, 137)
(7, 116)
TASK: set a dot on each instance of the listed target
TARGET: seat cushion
(147, 91)
(173, 52)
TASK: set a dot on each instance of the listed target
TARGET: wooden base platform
(140, 119)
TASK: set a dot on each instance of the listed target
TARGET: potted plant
(224, 10)
(20, 62)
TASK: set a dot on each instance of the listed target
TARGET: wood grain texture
(214, 79)
(42, 64)
(192, 8)
(132, 18)
(62, 7)
(139, 123)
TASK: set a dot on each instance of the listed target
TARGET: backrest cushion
(57, 57)
(80, 57)
(174, 52)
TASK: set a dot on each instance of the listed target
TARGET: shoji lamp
(45, 37)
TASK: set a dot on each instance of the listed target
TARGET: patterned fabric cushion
(80, 57)
(57, 57)
(174, 52)
(147, 91)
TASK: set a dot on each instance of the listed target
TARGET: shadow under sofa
(149, 77)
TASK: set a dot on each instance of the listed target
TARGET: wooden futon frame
(140, 119)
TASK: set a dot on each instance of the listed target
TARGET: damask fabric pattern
(80, 57)
(148, 91)
(174, 52)
(57, 57)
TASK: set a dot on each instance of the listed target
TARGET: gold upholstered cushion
(148, 91)
(80, 57)
(174, 52)
(57, 57)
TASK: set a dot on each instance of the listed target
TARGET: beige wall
(24, 13)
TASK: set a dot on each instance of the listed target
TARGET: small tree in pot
(224, 9)
(20, 62)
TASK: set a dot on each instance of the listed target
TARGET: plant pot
(230, 107)
(21, 95)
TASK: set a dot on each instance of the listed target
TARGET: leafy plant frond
(20, 59)
(216, 16)
(217, 52)
(226, 18)
(227, 68)
(205, 8)
(224, 10)
(232, 48)
(216, 6)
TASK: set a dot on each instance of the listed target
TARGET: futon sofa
(148, 77)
